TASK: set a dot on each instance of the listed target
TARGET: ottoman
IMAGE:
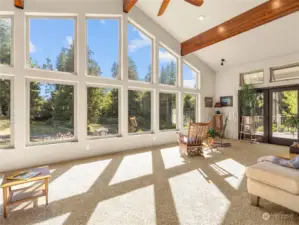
(274, 183)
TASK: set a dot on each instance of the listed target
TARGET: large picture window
(103, 47)
(167, 67)
(52, 44)
(102, 114)
(5, 113)
(5, 41)
(51, 112)
(140, 55)
(168, 111)
(190, 77)
(189, 109)
(139, 111)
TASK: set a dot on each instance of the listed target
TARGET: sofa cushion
(277, 176)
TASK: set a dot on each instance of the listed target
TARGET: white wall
(25, 156)
(228, 81)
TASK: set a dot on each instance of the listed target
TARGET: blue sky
(49, 36)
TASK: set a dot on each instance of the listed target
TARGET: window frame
(196, 108)
(120, 110)
(153, 47)
(177, 110)
(198, 72)
(120, 43)
(249, 73)
(178, 63)
(11, 17)
(272, 69)
(74, 17)
(12, 112)
(151, 131)
(75, 106)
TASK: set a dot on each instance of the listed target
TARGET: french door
(275, 115)
(283, 113)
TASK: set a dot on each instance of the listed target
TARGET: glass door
(283, 111)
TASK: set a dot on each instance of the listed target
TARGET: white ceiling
(280, 37)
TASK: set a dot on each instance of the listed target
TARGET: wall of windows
(88, 82)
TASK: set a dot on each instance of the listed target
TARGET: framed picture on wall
(226, 101)
(208, 102)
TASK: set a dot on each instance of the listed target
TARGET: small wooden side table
(17, 196)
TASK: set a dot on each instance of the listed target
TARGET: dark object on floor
(294, 149)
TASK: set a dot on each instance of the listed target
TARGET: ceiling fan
(166, 2)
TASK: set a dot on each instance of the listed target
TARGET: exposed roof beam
(260, 15)
(163, 7)
(128, 5)
(19, 4)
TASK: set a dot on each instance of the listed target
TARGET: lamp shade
(217, 105)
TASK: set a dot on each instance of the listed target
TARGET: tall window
(288, 72)
(102, 114)
(190, 77)
(103, 47)
(51, 112)
(256, 77)
(189, 109)
(52, 44)
(140, 55)
(5, 113)
(5, 41)
(167, 67)
(168, 112)
(139, 111)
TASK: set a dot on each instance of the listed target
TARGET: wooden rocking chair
(192, 144)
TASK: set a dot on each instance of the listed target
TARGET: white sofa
(274, 183)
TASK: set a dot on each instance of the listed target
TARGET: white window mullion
(124, 59)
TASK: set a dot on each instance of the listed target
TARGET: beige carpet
(154, 186)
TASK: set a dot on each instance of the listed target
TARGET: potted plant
(211, 136)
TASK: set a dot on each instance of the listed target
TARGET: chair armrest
(181, 137)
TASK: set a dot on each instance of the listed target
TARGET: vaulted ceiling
(276, 38)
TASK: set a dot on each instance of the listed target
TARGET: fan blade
(195, 2)
(163, 7)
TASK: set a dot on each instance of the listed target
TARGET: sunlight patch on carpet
(135, 207)
(235, 169)
(77, 180)
(133, 166)
(171, 157)
(198, 200)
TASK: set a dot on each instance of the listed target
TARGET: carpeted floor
(154, 186)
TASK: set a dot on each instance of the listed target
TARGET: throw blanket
(291, 163)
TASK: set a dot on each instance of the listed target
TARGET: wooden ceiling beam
(163, 7)
(128, 5)
(260, 15)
